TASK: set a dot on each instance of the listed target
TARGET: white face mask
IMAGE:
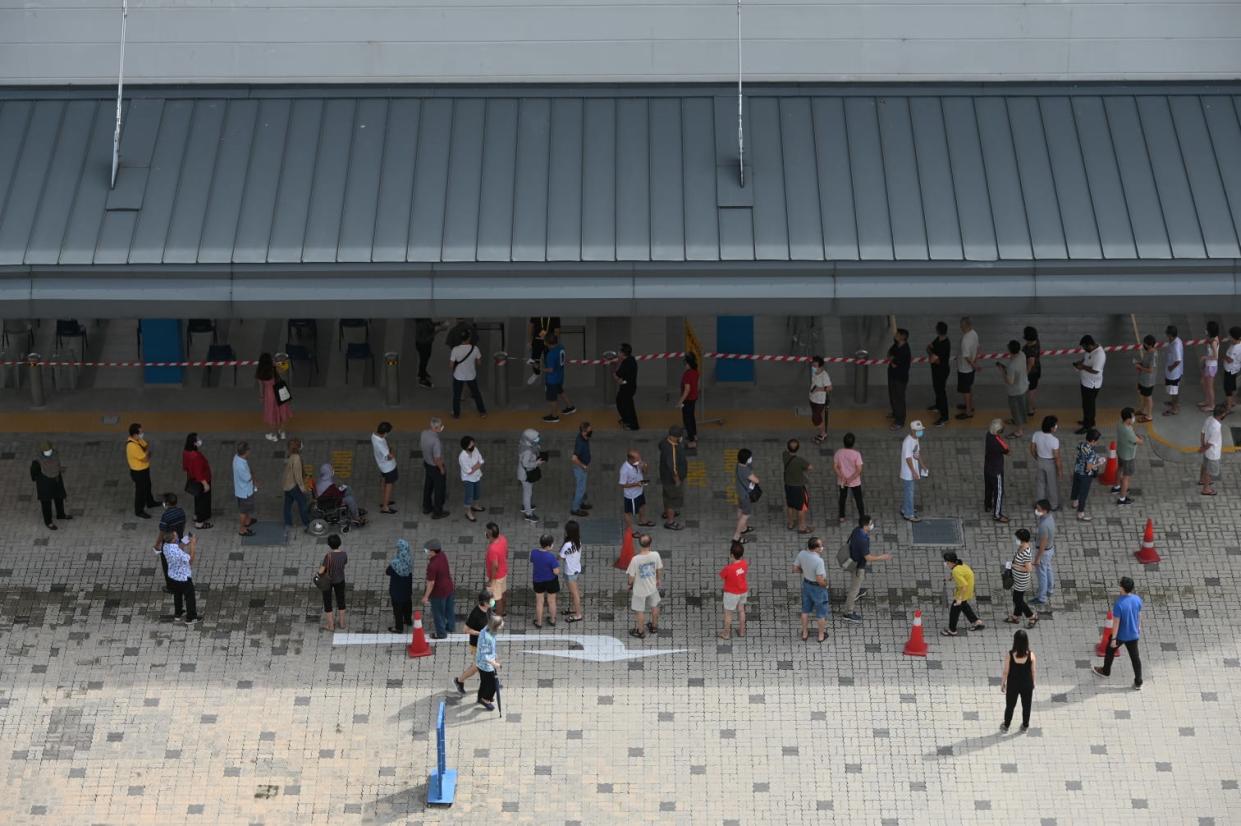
(48, 453)
(750, 461)
(141, 434)
(199, 443)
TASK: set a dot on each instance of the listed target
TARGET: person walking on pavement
(385, 460)
(333, 567)
(1209, 366)
(545, 578)
(626, 377)
(439, 590)
(994, 451)
(1017, 680)
(495, 567)
(571, 565)
(814, 598)
(912, 470)
(736, 589)
(488, 663)
(554, 360)
(967, 366)
(859, 561)
(1091, 368)
(1128, 613)
(197, 480)
(847, 463)
(244, 489)
(470, 463)
(1144, 363)
(899, 360)
(1033, 349)
(633, 481)
(294, 485)
(1127, 441)
(539, 329)
(400, 573)
(962, 593)
(1232, 366)
(820, 397)
(1173, 370)
(688, 401)
(434, 471)
(425, 330)
(1211, 446)
(274, 396)
(47, 473)
(746, 483)
(530, 462)
(1045, 552)
(1017, 380)
(474, 625)
(179, 554)
(1022, 565)
(673, 467)
(796, 489)
(463, 360)
(1086, 466)
(580, 462)
(646, 577)
(138, 457)
(939, 354)
(1045, 450)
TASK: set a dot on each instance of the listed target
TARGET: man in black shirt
(474, 624)
(425, 330)
(898, 376)
(539, 328)
(940, 353)
(626, 375)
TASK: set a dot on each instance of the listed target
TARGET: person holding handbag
(275, 397)
(529, 471)
(747, 484)
(464, 359)
(1022, 566)
(197, 480)
(49, 483)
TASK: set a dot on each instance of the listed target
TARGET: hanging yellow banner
(692, 345)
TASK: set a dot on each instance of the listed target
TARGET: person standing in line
(820, 397)
(1128, 613)
(967, 366)
(294, 486)
(632, 481)
(400, 573)
(1144, 363)
(1045, 450)
(385, 460)
(439, 591)
(488, 662)
(463, 329)
(736, 589)
(179, 553)
(1086, 466)
(912, 470)
(847, 462)
(273, 394)
(1212, 448)
(814, 598)
(673, 467)
(646, 577)
(1017, 381)
(796, 491)
(571, 564)
(434, 471)
(1209, 366)
(939, 354)
(197, 480)
(554, 360)
(530, 462)
(689, 400)
(1033, 349)
(425, 330)
(138, 457)
(1232, 366)
(470, 462)
(173, 518)
(333, 567)
(1045, 553)
(49, 484)
(1173, 370)
(962, 593)
(1127, 441)
(626, 377)
(1017, 680)
(538, 330)
(1091, 368)
(899, 360)
(746, 482)
(474, 625)
(495, 567)
(545, 577)
(994, 451)
(244, 490)
(329, 487)
(1022, 565)
(580, 462)
(860, 558)
(464, 359)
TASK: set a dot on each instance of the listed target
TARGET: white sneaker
(533, 379)
(271, 437)
(282, 435)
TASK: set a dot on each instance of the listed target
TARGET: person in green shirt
(1127, 441)
(796, 496)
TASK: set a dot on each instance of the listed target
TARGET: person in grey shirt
(1017, 377)
(809, 563)
(1045, 552)
(435, 478)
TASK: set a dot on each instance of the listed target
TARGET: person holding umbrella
(488, 663)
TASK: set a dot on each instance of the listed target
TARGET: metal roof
(1048, 173)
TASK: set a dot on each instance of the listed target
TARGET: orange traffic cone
(1101, 649)
(916, 646)
(626, 551)
(1108, 477)
(418, 645)
(1148, 555)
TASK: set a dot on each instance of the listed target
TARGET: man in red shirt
(495, 567)
(735, 590)
(440, 590)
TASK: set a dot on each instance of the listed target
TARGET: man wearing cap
(673, 466)
(439, 590)
(912, 470)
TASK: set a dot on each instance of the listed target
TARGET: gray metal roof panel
(464, 180)
(969, 178)
(29, 180)
(1179, 210)
(564, 181)
(48, 233)
(366, 157)
(185, 228)
(836, 205)
(426, 219)
(939, 205)
(667, 182)
(77, 246)
(396, 182)
(499, 168)
(901, 176)
(869, 187)
(258, 202)
(1133, 162)
(287, 240)
(1012, 229)
(530, 189)
(1037, 184)
(633, 181)
(599, 181)
(1068, 170)
(327, 194)
(1202, 167)
(1103, 178)
(702, 227)
(228, 183)
(801, 189)
(771, 229)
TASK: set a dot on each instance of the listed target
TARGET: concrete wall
(356, 41)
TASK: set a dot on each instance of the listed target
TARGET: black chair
(17, 327)
(199, 325)
(300, 352)
(300, 328)
(352, 323)
(359, 351)
(222, 352)
(70, 328)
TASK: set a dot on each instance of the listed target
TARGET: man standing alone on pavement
(626, 376)
(1127, 441)
(646, 576)
(1045, 552)
(385, 460)
(138, 456)
(439, 591)
(435, 479)
(814, 598)
(1091, 367)
(632, 481)
(1212, 448)
(967, 365)
(912, 470)
(1127, 610)
(796, 496)
(580, 462)
(859, 559)
(899, 359)
(673, 466)
(939, 354)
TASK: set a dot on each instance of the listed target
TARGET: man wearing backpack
(854, 556)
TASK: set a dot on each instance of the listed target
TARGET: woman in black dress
(1017, 680)
(49, 483)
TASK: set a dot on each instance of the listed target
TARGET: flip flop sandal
(1012, 621)
(673, 526)
(805, 636)
(246, 532)
(822, 639)
(538, 625)
(574, 619)
(646, 524)
(1208, 492)
(807, 530)
(944, 632)
(634, 632)
(724, 636)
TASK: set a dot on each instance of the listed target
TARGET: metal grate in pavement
(937, 532)
(266, 533)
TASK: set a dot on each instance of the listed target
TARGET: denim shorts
(813, 599)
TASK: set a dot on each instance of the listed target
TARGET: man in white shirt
(1173, 369)
(1212, 448)
(820, 395)
(386, 462)
(632, 481)
(1232, 366)
(464, 359)
(1090, 366)
(912, 469)
(967, 363)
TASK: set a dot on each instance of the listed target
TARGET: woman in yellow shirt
(962, 593)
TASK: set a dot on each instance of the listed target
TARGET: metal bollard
(36, 379)
(605, 377)
(392, 379)
(499, 378)
(860, 375)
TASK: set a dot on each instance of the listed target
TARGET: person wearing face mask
(580, 462)
(529, 471)
(47, 474)
(747, 482)
(962, 593)
(400, 573)
(1045, 553)
(197, 480)
(138, 457)
(860, 558)
(632, 483)
(1045, 450)
(912, 469)
(474, 625)
(1022, 566)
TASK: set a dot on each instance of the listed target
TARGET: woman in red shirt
(197, 480)
(736, 589)
(689, 400)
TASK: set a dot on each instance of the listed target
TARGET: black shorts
(1230, 383)
(965, 382)
(551, 586)
(391, 476)
(473, 640)
(1171, 382)
(1146, 391)
(553, 391)
(1034, 377)
(795, 496)
(635, 505)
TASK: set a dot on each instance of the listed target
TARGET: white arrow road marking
(594, 647)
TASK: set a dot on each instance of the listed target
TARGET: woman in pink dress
(275, 414)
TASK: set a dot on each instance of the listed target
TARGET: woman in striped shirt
(1022, 565)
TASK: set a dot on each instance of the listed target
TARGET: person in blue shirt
(553, 377)
(581, 470)
(488, 662)
(1127, 612)
(545, 571)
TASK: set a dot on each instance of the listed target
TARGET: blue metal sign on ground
(442, 786)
